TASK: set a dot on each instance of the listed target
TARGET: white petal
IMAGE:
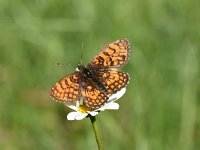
(111, 105)
(72, 106)
(76, 116)
(101, 108)
(93, 113)
(72, 115)
(80, 116)
(117, 95)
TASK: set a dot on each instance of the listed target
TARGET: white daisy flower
(81, 111)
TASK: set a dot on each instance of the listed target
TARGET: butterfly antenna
(81, 62)
(58, 64)
(82, 45)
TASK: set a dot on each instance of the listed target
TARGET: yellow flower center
(84, 108)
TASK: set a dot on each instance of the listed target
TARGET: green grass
(160, 110)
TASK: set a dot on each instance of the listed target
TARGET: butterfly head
(86, 72)
(80, 67)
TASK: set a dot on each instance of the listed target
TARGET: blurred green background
(160, 110)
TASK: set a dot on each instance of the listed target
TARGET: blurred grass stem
(96, 131)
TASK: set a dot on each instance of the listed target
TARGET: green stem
(96, 131)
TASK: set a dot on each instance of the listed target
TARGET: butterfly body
(97, 81)
(89, 74)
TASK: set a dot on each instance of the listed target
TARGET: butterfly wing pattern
(113, 80)
(96, 82)
(67, 89)
(93, 97)
(114, 55)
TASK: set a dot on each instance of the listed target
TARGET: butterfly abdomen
(100, 85)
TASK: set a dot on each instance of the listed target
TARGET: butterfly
(98, 80)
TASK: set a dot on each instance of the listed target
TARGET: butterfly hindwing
(113, 80)
(92, 96)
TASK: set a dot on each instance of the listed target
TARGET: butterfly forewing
(67, 89)
(115, 54)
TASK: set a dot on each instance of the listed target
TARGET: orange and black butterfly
(97, 81)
